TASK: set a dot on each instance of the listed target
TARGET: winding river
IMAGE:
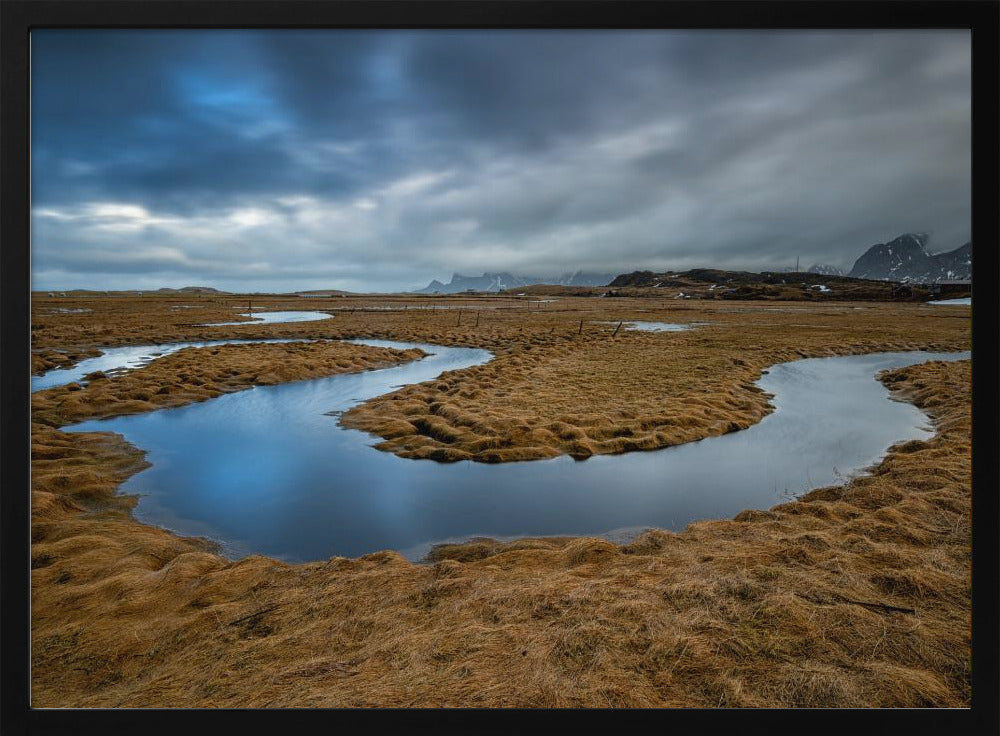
(128, 358)
(270, 471)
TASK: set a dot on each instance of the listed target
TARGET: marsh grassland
(851, 596)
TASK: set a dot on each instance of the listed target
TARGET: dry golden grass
(555, 392)
(553, 387)
(196, 374)
(855, 596)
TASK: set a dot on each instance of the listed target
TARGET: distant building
(950, 286)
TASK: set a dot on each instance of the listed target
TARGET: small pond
(654, 326)
(273, 318)
(950, 302)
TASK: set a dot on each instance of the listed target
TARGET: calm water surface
(274, 318)
(269, 471)
(654, 326)
(126, 358)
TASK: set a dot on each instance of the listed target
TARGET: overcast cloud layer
(376, 161)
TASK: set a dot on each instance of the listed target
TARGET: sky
(287, 160)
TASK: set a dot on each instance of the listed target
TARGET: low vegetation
(596, 392)
(853, 596)
(710, 283)
(197, 374)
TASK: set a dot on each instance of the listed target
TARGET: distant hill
(685, 278)
(189, 290)
(710, 283)
(319, 293)
(496, 282)
(906, 260)
(165, 291)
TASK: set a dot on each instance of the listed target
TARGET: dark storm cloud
(379, 160)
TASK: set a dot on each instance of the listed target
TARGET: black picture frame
(19, 17)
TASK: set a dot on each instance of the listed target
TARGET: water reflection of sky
(653, 326)
(127, 358)
(273, 318)
(268, 471)
(947, 302)
(656, 326)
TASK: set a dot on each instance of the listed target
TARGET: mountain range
(903, 260)
(823, 269)
(502, 281)
(906, 260)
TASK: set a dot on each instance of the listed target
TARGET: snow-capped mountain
(956, 264)
(906, 260)
(824, 270)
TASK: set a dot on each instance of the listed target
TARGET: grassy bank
(854, 596)
(562, 381)
(197, 374)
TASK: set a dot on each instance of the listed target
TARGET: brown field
(853, 596)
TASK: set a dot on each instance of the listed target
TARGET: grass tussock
(592, 393)
(853, 596)
(562, 381)
(197, 374)
(777, 609)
